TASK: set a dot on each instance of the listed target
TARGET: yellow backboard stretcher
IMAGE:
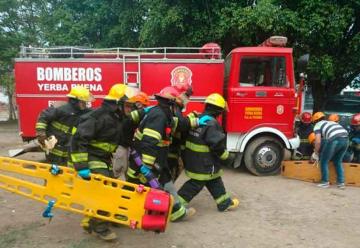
(101, 197)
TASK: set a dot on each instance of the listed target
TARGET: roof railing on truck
(72, 52)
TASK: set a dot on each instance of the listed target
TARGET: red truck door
(261, 92)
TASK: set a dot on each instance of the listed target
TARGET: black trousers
(215, 186)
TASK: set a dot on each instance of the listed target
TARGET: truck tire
(263, 156)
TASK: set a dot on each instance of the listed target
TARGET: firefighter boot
(229, 204)
(180, 213)
(101, 229)
(234, 204)
(107, 235)
(85, 224)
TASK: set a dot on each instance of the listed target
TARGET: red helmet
(305, 117)
(170, 93)
(213, 50)
(355, 120)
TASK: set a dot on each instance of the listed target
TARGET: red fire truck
(258, 83)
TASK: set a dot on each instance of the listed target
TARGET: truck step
(310, 172)
(101, 197)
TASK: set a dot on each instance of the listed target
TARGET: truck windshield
(268, 71)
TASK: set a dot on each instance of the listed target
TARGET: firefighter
(96, 138)
(354, 137)
(334, 118)
(331, 142)
(303, 130)
(204, 154)
(59, 121)
(133, 108)
(178, 137)
(152, 140)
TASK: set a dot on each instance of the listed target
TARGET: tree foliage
(328, 30)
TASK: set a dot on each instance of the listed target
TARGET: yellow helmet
(81, 93)
(317, 116)
(116, 92)
(216, 100)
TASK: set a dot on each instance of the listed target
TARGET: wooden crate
(310, 172)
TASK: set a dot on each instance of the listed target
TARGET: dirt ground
(274, 212)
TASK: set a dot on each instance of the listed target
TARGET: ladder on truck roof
(132, 77)
(70, 52)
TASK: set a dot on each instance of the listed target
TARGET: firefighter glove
(84, 174)
(204, 119)
(41, 137)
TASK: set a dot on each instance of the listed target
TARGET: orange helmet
(141, 97)
(355, 120)
(311, 138)
(305, 117)
(317, 116)
(334, 117)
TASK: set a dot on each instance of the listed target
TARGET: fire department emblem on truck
(181, 76)
(280, 109)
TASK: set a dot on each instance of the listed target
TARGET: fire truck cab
(257, 82)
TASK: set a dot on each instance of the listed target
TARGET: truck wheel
(263, 156)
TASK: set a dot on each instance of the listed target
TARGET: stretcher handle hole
(29, 166)
(125, 197)
(121, 217)
(110, 183)
(103, 213)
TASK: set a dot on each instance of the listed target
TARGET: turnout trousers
(215, 186)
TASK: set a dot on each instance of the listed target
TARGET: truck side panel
(40, 83)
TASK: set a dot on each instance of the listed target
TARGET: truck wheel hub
(266, 157)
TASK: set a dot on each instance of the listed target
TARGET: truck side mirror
(302, 62)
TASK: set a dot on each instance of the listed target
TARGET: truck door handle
(261, 93)
(241, 94)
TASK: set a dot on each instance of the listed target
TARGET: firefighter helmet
(317, 116)
(355, 120)
(81, 93)
(311, 138)
(216, 100)
(131, 92)
(116, 92)
(169, 93)
(334, 117)
(184, 88)
(211, 50)
(305, 117)
(141, 97)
